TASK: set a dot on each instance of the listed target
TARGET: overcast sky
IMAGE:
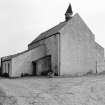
(22, 20)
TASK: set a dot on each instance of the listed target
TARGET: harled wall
(100, 58)
(78, 54)
(23, 62)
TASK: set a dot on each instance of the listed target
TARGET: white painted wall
(77, 48)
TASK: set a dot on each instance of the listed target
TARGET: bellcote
(69, 13)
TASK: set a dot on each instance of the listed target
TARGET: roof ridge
(49, 32)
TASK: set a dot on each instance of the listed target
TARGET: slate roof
(12, 56)
(45, 34)
(50, 32)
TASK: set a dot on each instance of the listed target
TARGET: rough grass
(86, 90)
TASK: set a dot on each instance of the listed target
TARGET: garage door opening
(42, 66)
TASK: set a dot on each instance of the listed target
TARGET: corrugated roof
(50, 32)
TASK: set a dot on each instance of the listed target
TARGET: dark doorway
(34, 68)
(42, 66)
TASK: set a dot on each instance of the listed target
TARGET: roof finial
(68, 13)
